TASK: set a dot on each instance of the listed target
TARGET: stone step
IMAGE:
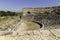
(56, 32)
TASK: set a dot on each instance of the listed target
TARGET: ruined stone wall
(48, 17)
(36, 10)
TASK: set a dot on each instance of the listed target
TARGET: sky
(18, 5)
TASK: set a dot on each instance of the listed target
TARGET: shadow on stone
(41, 25)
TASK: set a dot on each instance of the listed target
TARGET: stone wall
(47, 16)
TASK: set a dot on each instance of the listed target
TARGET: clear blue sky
(18, 5)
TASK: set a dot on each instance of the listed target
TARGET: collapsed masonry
(48, 17)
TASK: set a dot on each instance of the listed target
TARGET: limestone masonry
(48, 17)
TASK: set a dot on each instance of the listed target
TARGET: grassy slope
(6, 18)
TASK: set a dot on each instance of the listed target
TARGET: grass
(5, 18)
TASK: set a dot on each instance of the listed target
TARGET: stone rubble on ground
(39, 34)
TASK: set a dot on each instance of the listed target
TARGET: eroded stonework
(49, 17)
